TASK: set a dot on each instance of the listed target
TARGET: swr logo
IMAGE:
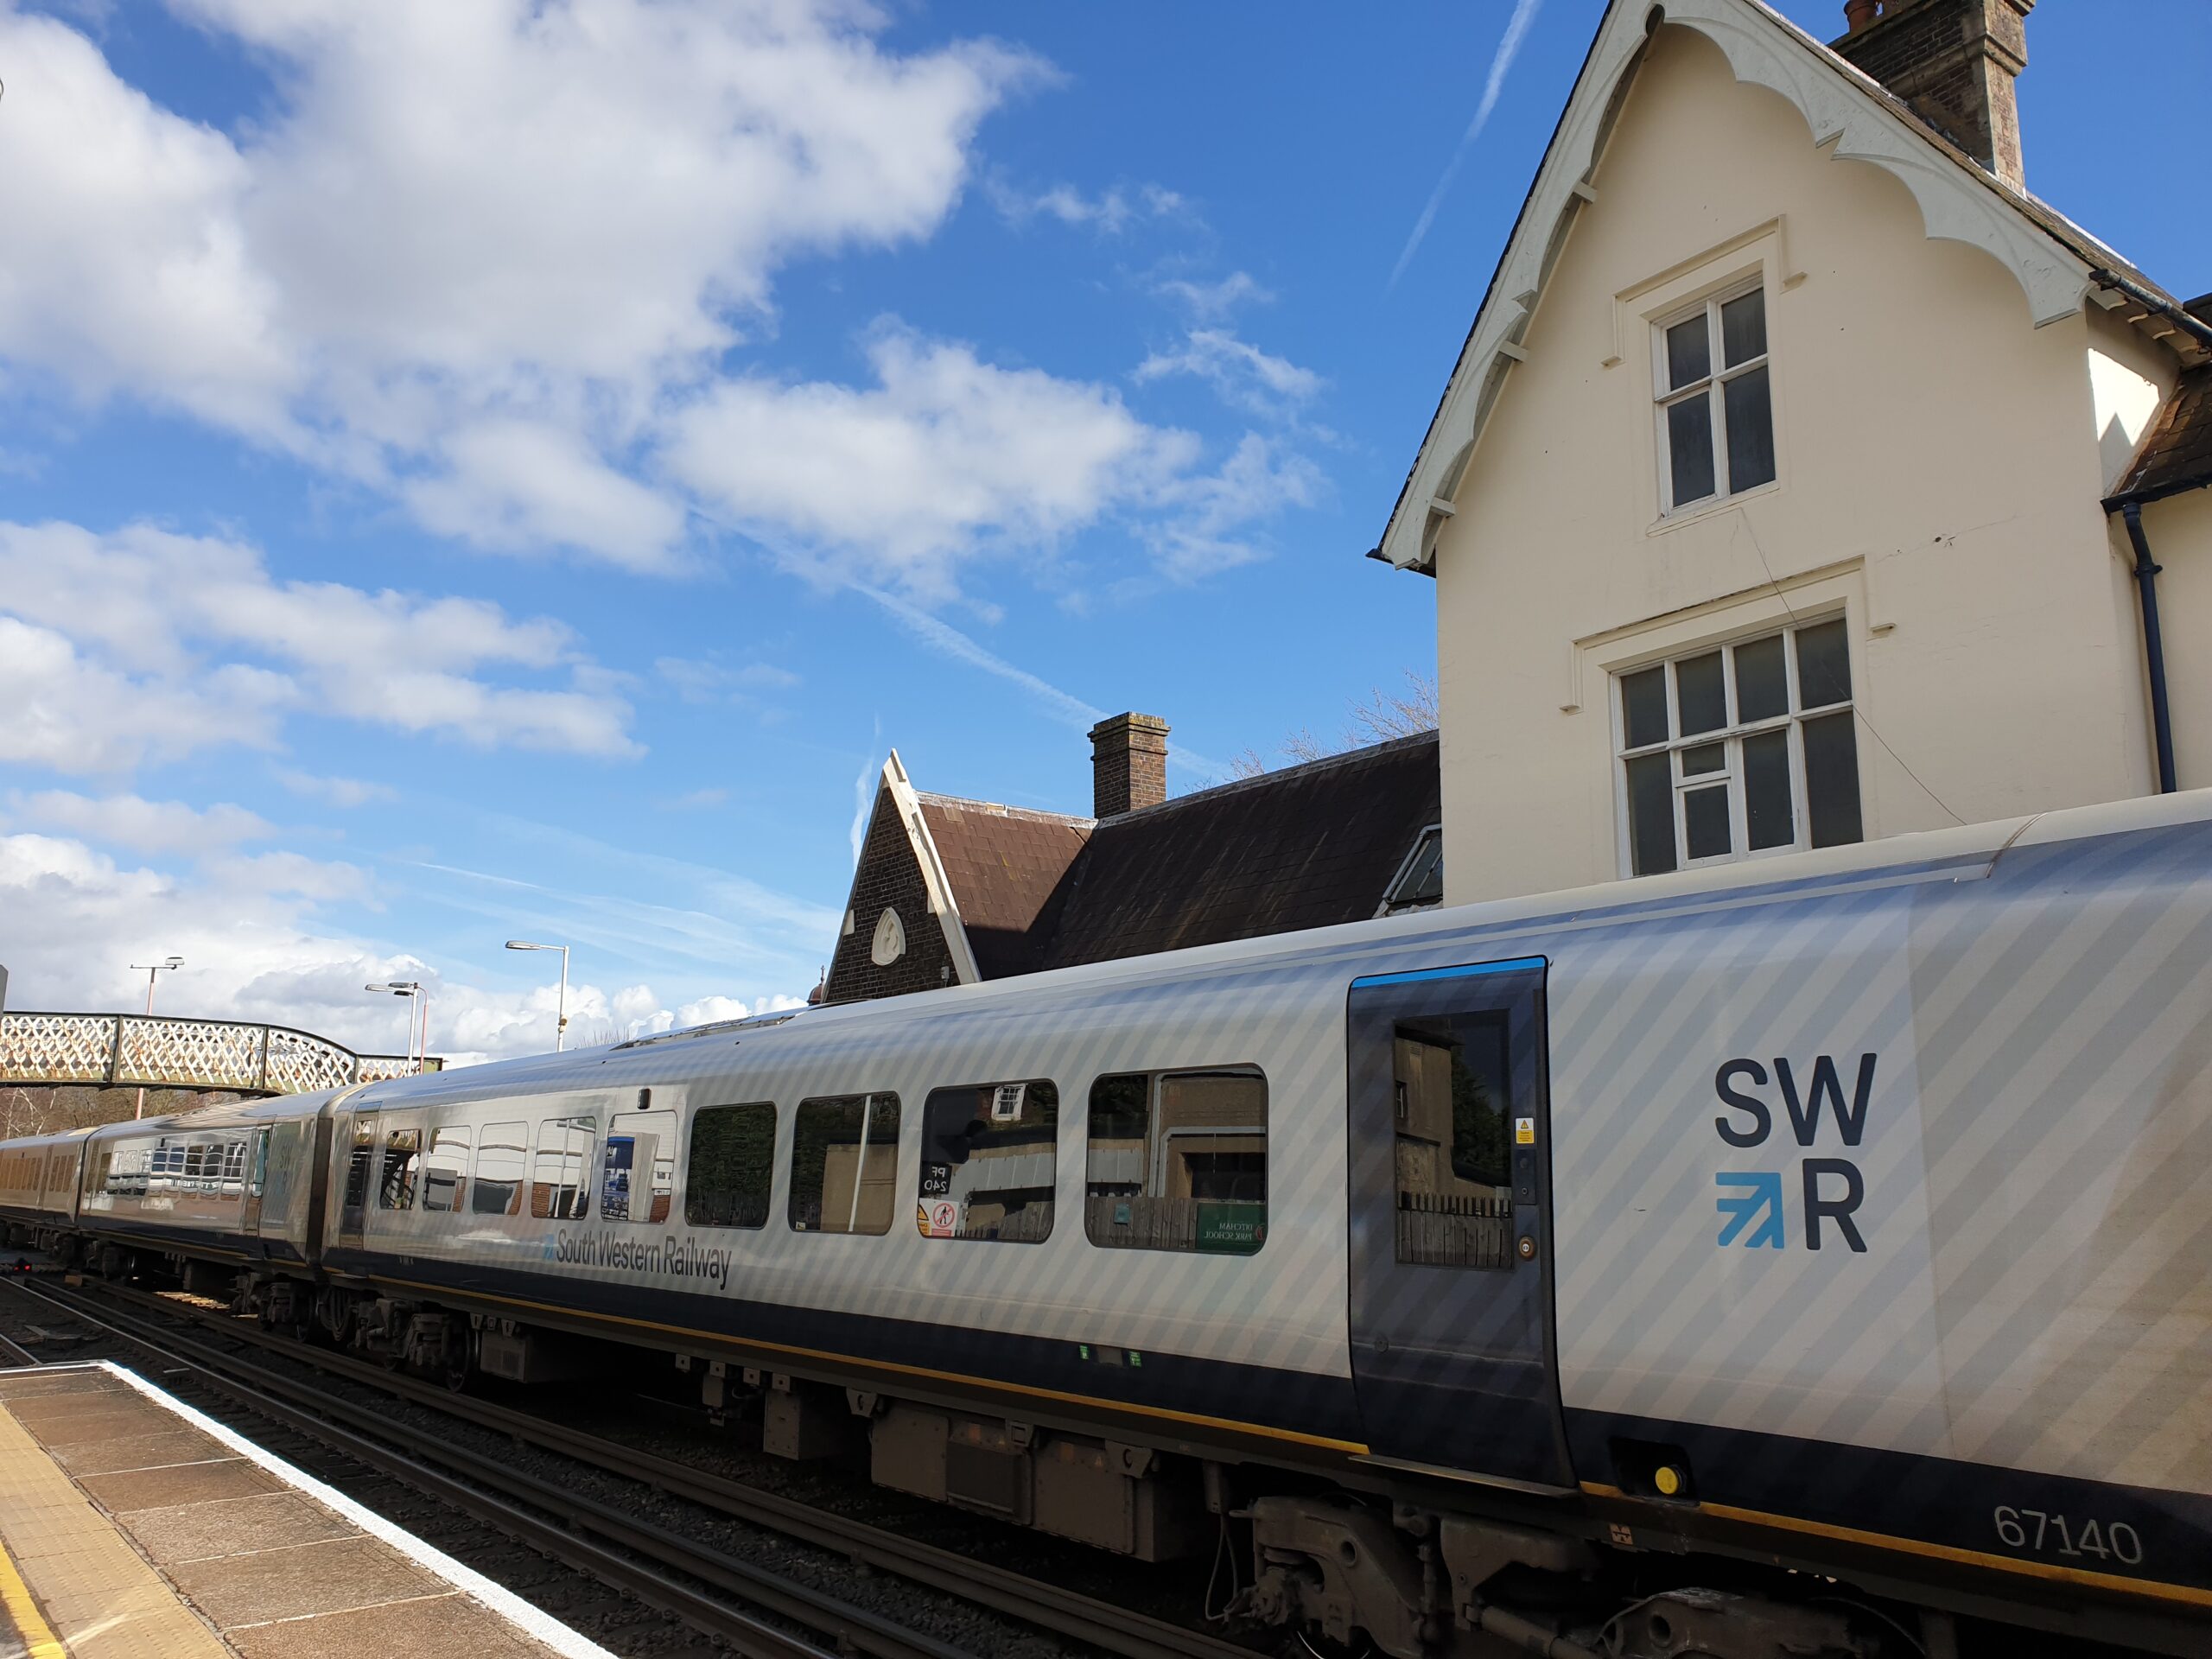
(1832, 1188)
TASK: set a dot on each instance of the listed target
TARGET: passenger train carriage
(1840, 1214)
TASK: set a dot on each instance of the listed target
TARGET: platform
(135, 1527)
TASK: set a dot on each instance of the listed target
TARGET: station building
(1803, 477)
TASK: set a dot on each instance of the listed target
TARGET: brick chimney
(1955, 62)
(1129, 763)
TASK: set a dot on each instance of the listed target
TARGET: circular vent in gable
(890, 943)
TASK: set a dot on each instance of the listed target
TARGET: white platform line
(534, 1621)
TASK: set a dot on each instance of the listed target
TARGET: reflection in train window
(445, 1172)
(403, 1150)
(844, 1162)
(733, 1160)
(1178, 1161)
(496, 1188)
(1452, 1086)
(988, 1159)
(359, 1164)
(637, 1170)
(557, 1189)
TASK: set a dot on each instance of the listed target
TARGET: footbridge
(112, 1049)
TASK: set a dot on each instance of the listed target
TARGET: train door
(1452, 1342)
(359, 1176)
(257, 1182)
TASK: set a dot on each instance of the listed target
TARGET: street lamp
(151, 969)
(404, 987)
(561, 1015)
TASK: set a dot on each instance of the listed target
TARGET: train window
(733, 1160)
(402, 1153)
(845, 1163)
(445, 1171)
(558, 1190)
(1451, 1082)
(637, 1169)
(360, 1163)
(496, 1188)
(987, 1161)
(1178, 1161)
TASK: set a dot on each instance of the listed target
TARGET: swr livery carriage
(1617, 1269)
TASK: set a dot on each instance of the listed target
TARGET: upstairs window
(1716, 410)
(1742, 750)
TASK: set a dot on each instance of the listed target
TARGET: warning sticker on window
(1524, 1131)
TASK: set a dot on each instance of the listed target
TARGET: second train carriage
(1843, 1210)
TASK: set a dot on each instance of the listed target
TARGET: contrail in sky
(1524, 13)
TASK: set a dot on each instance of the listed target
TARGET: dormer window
(1715, 409)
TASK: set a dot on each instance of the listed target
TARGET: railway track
(616, 1544)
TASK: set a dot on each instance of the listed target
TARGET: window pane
(1644, 707)
(1832, 780)
(987, 1161)
(1689, 449)
(1706, 757)
(637, 1167)
(1743, 327)
(1701, 699)
(445, 1172)
(1762, 680)
(1750, 431)
(1705, 821)
(1191, 1175)
(1689, 352)
(403, 1147)
(557, 1176)
(733, 1158)
(1766, 790)
(844, 1160)
(1455, 1198)
(1422, 883)
(496, 1188)
(1823, 665)
(1650, 815)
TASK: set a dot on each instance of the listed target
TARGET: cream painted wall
(1940, 476)
(2179, 529)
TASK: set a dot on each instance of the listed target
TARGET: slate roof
(1309, 845)
(2176, 452)
(1006, 865)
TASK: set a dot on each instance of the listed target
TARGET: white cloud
(1214, 300)
(712, 681)
(1111, 212)
(1211, 530)
(117, 644)
(142, 825)
(1239, 372)
(896, 482)
(346, 792)
(467, 238)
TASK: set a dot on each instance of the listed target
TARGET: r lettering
(1837, 1209)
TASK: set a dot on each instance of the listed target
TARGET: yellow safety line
(1229, 1424)
(2187, 1594)
(39, 1640)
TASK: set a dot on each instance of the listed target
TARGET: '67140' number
(2043, 1529)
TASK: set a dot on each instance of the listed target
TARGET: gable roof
(2058, 265)
(1005, 866)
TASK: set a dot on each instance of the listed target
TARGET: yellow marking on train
(2085, 1576)
(37, 1636)
(1353, 1447)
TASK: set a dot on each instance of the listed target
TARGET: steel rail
(854, 1630)
(1099, 1623)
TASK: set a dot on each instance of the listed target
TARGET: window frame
(1731, 735)
(1712, 387)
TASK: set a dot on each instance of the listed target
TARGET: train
(1809, 1256)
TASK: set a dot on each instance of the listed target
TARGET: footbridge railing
(112, 1049)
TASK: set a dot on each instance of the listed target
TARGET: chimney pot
(1955, 62)
(1129, 763)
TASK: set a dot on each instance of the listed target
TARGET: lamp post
(406, 987)
(561, 1014)
(152, 970)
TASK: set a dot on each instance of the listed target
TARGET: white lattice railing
(130, 1049)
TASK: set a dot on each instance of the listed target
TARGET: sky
(492, 470)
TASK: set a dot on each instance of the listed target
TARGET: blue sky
(478, 472)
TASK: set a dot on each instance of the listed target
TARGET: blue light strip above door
(1517, 965)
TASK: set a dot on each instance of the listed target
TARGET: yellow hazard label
(1524, 1131)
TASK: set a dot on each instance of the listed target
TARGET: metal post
(561, 1008)
(860, 1167)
